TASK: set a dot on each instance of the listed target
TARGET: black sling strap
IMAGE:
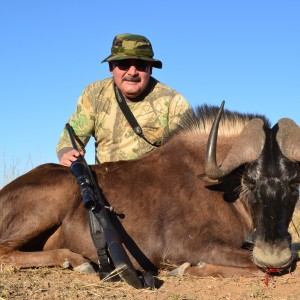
(130, 117)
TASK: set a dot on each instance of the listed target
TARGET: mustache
(131, 78)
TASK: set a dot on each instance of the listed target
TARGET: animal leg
(179, 270)
(204, 269)
(224, 255)
(49, 258)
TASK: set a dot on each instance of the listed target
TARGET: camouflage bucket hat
(132, 46)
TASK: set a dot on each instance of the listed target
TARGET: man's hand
(69, 157)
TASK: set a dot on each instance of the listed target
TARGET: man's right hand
(69, 157)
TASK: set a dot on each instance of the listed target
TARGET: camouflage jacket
(98, 115)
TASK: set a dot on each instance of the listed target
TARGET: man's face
(131, 76)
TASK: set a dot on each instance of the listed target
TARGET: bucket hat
(132, 46)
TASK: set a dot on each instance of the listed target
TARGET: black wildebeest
(179, 203)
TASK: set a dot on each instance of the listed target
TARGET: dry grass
(14, 169)
(55, 283)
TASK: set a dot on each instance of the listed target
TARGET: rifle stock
(119, 256)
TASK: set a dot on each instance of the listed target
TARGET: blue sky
(245, 52)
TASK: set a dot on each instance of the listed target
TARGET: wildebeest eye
(249, 182)
(295, 183)
(294, 186)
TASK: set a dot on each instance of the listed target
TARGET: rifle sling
(129, 116)
(99, 240)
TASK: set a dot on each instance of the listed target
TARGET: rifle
(94, 200)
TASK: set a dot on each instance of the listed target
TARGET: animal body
(184, 202)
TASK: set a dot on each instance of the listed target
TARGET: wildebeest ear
(288, 139)
(248, 146)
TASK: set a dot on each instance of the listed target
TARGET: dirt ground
(55, 283)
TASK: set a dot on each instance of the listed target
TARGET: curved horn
(288, 139)
(211, 168)
(246, 148)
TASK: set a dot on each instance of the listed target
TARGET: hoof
(200, 265)
(66, 264)
(180, 270)
(85, 268)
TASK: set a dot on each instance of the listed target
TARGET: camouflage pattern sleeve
(180, 111)
(82, 122)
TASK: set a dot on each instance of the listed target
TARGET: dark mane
(205, 114)
(201, 119)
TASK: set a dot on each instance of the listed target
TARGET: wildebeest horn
(246, 148)
(288, 139)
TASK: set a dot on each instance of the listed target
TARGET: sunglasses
(140, 65)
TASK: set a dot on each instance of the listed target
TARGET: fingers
(69, 157)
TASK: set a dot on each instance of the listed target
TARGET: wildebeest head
(270, 182)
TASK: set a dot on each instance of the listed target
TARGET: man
(158, 109)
